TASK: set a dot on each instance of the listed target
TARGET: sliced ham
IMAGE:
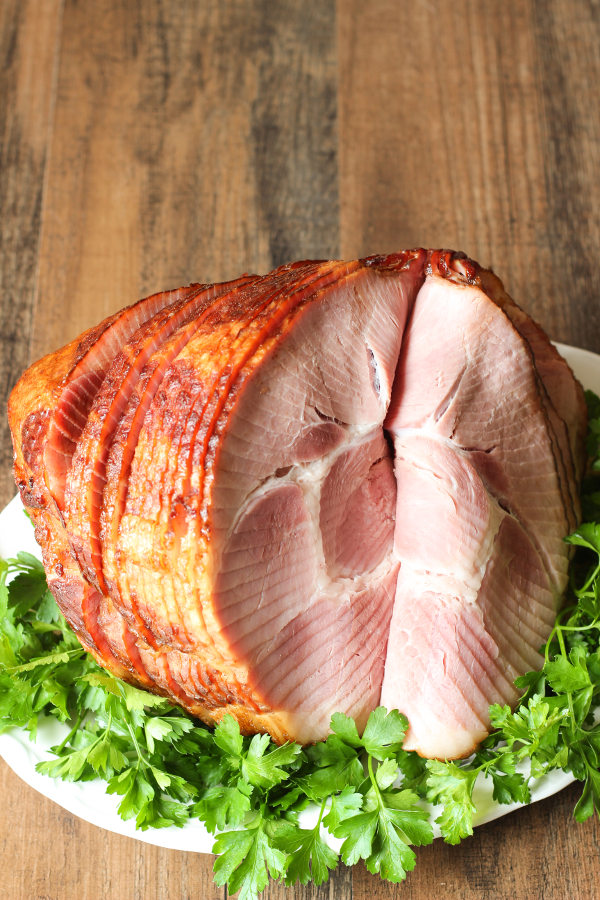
(116, 412)
(80, 383)
(335, 485)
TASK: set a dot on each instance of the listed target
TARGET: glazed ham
(337, 485)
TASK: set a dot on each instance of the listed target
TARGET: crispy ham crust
(338, 484)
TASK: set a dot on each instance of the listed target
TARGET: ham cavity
(337, 485)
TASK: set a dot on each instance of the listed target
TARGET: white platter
(89, 801)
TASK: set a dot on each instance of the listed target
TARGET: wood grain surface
(147, 144)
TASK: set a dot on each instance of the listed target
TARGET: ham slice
(477, 491)
(335, 485)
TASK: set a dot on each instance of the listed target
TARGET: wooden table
(144, 145)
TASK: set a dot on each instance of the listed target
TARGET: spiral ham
(335, 485)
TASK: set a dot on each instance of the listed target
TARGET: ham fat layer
(336, 485)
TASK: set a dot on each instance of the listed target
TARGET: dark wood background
(147, 144)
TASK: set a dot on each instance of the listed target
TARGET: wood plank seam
(47, 164)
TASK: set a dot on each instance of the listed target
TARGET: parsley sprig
(271, 806)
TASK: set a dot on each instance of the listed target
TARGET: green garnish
(367, 791)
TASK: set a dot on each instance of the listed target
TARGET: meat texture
(335, 485)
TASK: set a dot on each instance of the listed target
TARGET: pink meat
(336, 485)
(480, 497)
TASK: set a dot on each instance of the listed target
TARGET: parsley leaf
(246, 858)
(309, 857)
(453, 786)
(382, 833)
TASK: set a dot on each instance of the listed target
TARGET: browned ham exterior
(335, 485)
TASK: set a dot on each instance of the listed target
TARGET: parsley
(272, 806)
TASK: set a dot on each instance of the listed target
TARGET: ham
(336, 485)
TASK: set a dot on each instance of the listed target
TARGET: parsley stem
(569, 695)
(594, 624)
(374, 780)
(135, 743)
(590, 580)
(561, 640)
(71, 733)
(557, 632)
(322, 810)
